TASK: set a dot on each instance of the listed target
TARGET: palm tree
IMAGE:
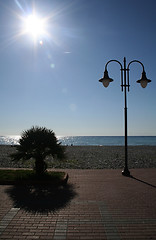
(38, 143)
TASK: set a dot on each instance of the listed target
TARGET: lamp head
(106, 79)
(144, 81)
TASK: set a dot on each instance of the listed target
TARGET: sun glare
(34, 26)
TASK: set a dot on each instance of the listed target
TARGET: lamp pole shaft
(125, 171)
(124, 85)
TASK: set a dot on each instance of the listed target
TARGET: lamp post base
(126, 173)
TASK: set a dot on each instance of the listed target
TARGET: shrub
(38, 143)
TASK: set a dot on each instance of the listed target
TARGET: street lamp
(124, 86)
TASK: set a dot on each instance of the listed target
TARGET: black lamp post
(124, 86)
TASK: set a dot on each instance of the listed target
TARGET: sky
(50, 78)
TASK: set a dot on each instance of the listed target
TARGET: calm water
(91, 140)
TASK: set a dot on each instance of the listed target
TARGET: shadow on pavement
(41, 199)
(139, 180)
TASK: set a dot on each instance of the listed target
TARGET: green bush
(27, 176)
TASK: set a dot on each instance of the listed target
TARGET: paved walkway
(97, 204)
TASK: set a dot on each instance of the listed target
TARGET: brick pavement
(98, 204)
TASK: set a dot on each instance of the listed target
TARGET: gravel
(90, 157)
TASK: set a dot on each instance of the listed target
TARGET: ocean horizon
(90, 140)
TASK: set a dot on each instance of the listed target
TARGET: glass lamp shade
(105, 82)
(106, 79)
(143, 81)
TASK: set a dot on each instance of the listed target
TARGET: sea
(90, 140)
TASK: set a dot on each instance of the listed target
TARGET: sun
(35, 26)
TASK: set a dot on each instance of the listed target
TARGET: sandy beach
(91, 157)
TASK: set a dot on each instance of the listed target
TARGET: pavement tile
(105, 205)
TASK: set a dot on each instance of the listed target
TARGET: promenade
(96, 204)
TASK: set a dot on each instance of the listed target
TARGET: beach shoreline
(90, 157)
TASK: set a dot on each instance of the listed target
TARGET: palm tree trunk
(40, 165)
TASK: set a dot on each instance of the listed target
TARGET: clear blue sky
(55, 84)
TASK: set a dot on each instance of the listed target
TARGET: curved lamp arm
(137, 62)
(144, 80)
(113, 61)
(106, 79)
